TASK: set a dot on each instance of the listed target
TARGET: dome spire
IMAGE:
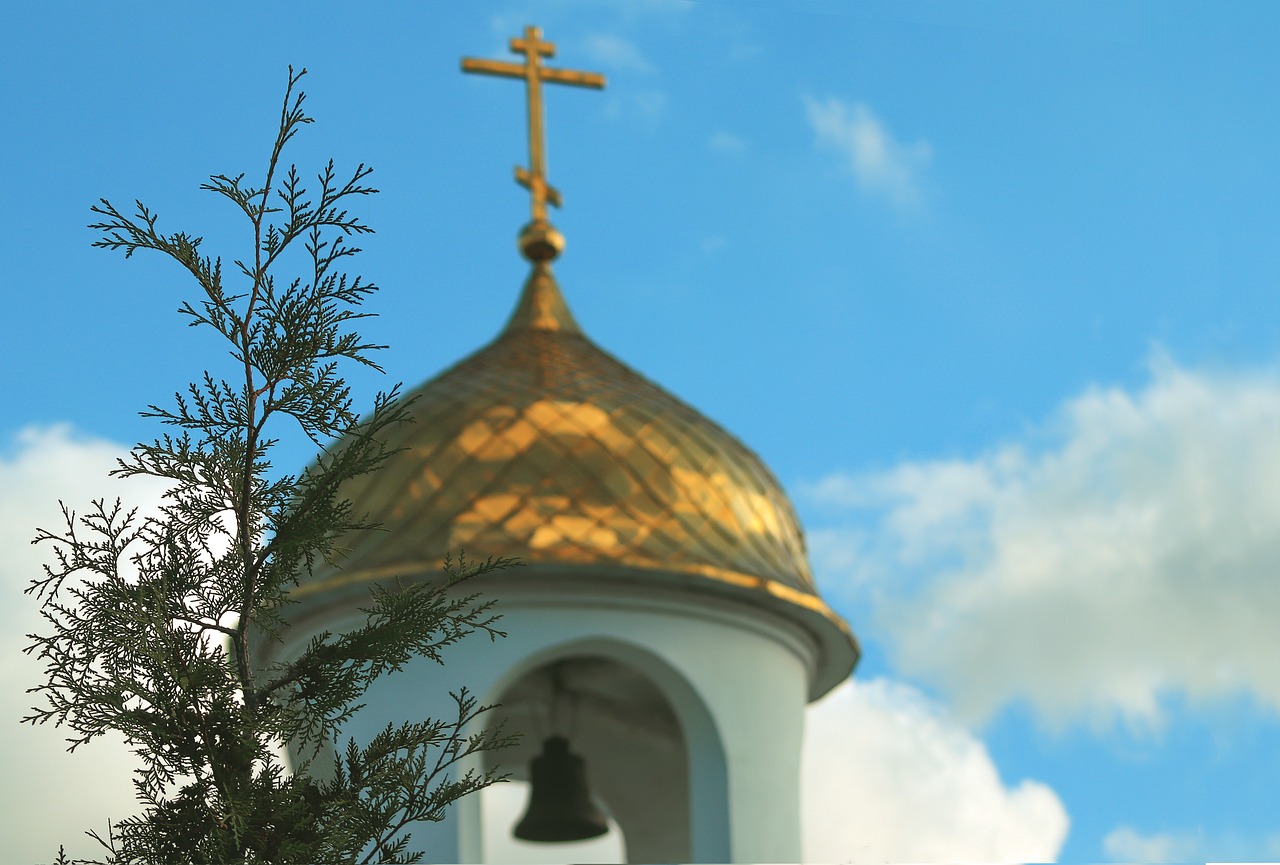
(541, 305)
(539, 241)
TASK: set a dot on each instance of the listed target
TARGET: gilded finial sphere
(539, 241)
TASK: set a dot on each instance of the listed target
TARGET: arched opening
(634, 746)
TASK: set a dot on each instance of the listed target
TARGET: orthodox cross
(534, 73)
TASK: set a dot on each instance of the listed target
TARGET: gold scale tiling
(543, 446)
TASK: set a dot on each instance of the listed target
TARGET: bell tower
(665, 633)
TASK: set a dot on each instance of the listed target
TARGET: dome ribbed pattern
(543, 446)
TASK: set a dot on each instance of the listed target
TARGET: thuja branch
(150, 619)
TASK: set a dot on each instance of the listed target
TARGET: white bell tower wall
(734, 676)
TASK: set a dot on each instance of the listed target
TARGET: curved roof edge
(837, 653)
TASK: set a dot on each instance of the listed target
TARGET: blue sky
(990, 286)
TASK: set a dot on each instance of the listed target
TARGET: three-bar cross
(534, 73)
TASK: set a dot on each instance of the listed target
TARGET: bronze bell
(560, 807)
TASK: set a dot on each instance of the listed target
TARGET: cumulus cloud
(877, 756)
(881, 164)
(63, 795)
(879, 759)
(1125, 844)
(1127, 554)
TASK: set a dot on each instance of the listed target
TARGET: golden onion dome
(543, 447)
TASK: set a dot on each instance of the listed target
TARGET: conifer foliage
(152, 620)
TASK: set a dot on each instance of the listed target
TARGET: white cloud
(726, 142)
(616, 53)
(887, 776)
(877, 755)
(1125, 844)
(63, 795)
(880, 163)
(1134, 557)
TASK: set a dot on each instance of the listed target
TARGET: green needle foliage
(153, 620)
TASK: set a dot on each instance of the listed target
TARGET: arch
(702, 765)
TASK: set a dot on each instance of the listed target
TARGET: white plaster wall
(736, 677)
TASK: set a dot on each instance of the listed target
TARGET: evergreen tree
(153, 620)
